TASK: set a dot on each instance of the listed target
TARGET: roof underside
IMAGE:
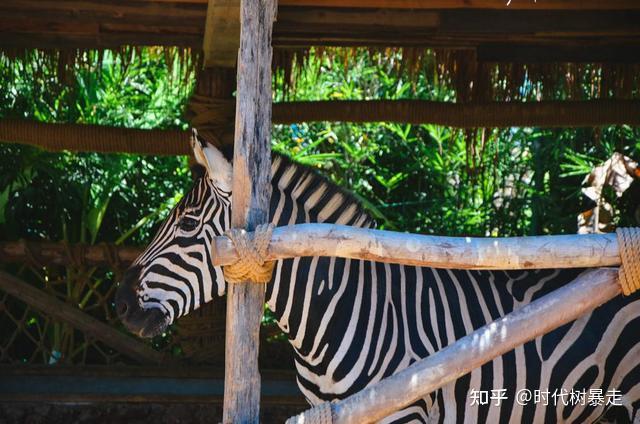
(524, 31)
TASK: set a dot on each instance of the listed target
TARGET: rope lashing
(319, 414)
(629, 245)
(252, 250)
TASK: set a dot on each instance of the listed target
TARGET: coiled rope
(629, 246)
(252, 250)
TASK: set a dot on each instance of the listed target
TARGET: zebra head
(174, 275)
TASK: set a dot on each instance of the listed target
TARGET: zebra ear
(219, 169)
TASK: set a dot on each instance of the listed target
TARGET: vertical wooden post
(250, 205)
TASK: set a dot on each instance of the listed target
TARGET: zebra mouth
(144, 322)
(155, 324)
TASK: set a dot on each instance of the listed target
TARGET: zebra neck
(300, 195)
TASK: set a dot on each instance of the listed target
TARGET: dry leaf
(618, 173)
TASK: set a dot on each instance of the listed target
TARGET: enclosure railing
(584, 294)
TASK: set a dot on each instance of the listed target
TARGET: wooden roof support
(94, 24)
(471, 4)
(93, 138)
(51, 253)
(78, 319)
(222, 33)
(250, 206)
(471, 115)
(459, 29)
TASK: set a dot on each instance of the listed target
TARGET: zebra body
(354, 322)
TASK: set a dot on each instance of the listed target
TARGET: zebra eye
(188, 224)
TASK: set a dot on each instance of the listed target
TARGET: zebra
(352, 323)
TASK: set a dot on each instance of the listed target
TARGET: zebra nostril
(124, 302)
(122, 308)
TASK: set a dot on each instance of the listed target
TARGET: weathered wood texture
(211, 108)
(470, 4)
(461, 115)
(462, 29)
(576, 33)
(222, 33)
(562, 251)
(250, 205)
(51, 253)
(93, 138)
(564, 305)
(78, 319)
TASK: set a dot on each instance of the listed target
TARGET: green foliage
(136, 88)
(430, 179)
(87, 197)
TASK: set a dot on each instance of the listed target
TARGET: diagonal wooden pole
(59, 310)
(590, 290)
(250, 206)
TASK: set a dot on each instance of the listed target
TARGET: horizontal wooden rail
(562, 251)
(52, 253)
(46, 303)
(587, 292)
(94, 138)
(464, 115)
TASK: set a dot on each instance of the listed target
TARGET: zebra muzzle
(144, 322)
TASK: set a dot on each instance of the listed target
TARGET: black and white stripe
(354, 322)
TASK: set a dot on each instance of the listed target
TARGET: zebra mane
(322, 199)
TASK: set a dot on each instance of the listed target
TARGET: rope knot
(629, 245)
(252, 250)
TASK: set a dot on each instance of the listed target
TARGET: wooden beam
(548, 53)
(78, 319)
(406, 4)
(587, 292)
(457, 29)
(51, 253)
(461, 115)
(95, 24)
(471, 4)
(250, 205)
(94, 138)
(536, 252)
(100, 24)
(222, 33)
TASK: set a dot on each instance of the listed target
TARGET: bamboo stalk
(562, 251)
(564, 305)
